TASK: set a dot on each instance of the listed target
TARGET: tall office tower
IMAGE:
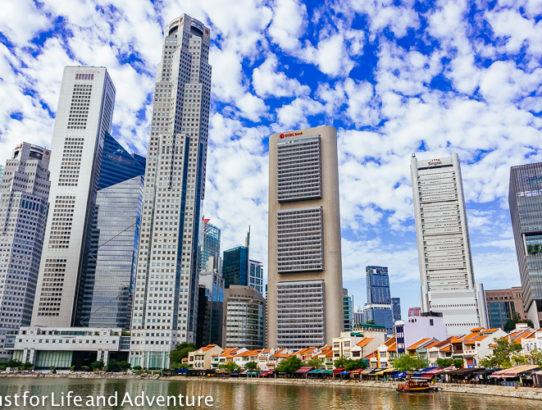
(348, 311)
(235, 266)
(1, 173)
(396, 308)
(378, 285)
(525, 201)
(244, 318)
(255, 275)
(23, 212)
(210, 244)
(305, 270)
(503, 305)
(378, 308)
(210, 305)
(111, 261)
(447, 279)
(166, 291)
(84, 114)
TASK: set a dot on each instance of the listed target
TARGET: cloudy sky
(393, 77)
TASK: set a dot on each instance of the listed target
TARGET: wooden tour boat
(415, 386)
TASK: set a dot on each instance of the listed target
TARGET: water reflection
(245, 396)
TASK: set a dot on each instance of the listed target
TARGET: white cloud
(288, 23)
(268, 81)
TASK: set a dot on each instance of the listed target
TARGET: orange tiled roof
(365, 341)
(476, 339)
(392, 347)
(390, 341)
(436, 343)
(476, 329)
(445, 349)
(457, 339)
(418, 343)
(248, 353)
(208, 347)
(490, 330)
(370, 355)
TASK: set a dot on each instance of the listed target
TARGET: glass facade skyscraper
(378, 285)
(525, 201)
(502, 304)
(396, 308)
(348, 311)
(235, 266)
(210, 245)
(255, 275)
(111, 260)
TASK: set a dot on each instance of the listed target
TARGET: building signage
(290, 134)
(435, 162)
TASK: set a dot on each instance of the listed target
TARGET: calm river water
(260, 396)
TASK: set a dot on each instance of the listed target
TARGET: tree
(535, 357)
(502, 355)
(315, 362)
(407, 362)
(229, 367)
(351, 364)
(181, 352)
(251, 366)
(290, 365)
(457, 363)
(339, 363)
(14, 363)
(97, 365)
(515, 319)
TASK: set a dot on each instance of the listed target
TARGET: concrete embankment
(478, 389)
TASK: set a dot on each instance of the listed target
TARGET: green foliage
(137, 368)
(515, 319)
(315, 362)
(181, 352)
(97, 365)
(457, 363)
(72, 368)
(290, 365)
(350, 364)
(14, 363)
(407, 362)
(502, 355)
(229, 367)
(251, 366)
(85, 368)
(117, 366)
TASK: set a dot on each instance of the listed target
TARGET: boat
(415, 386)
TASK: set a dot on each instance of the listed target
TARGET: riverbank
(477, 389)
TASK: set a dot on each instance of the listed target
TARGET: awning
(375, 371)
(356, 371)
(303, 370)
(463, 371)
(337, 371)
(381, 373)
(345, 372)
(366, 371)
(514, 372)
(399, 375)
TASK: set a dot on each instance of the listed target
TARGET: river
(247, 396)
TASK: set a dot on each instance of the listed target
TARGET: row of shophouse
(373, 345)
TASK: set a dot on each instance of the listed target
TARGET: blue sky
(393, 77)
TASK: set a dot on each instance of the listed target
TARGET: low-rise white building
(47, 347)
(419, 325)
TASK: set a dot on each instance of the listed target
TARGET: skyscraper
(348, 311)
(111, 261)
(378, 306)
(447, 279)
(23, 212)
(305, 271)
(210, 244)
(1, 173)
(235, 266)
(244, 318)
(84, 115)
(396, 308)
(525, 201)
(166, 290)
(210, 305)
(378, 285)
(255, 275)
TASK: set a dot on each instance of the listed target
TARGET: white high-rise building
(84, 114)
(166, 288)
(447, 279)
(23, 211)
